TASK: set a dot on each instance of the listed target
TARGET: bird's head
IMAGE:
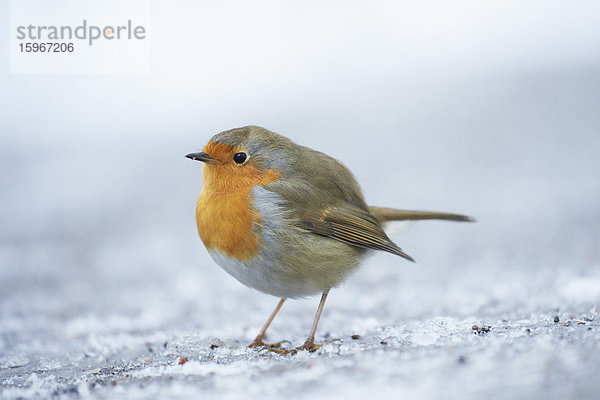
(243, 157)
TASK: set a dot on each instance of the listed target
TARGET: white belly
(264, 275)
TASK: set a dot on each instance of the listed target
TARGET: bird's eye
(239, 158)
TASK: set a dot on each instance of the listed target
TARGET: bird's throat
(225, 214)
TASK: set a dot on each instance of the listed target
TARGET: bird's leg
(310, 341)
(258, 342)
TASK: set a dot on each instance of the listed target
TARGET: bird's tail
(383, 214)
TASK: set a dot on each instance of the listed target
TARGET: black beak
(201, 157)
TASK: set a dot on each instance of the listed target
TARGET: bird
(288, 220)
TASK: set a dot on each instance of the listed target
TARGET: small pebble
(556, 319)
(478, 330)
(214, 346)
(182, 360)
(355, 337)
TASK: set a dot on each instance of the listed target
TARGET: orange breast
(226, 218)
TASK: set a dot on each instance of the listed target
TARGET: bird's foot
(310, 345)
(259, 343)
(282, 350)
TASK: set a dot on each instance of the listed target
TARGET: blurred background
(491, 109)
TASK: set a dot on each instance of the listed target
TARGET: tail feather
(383, 214)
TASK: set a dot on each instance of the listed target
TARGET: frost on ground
(168, 327)
(107, 292)
(532, 357)
(116, 301)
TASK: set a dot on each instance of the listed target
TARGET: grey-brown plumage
(329, 203)
(312, 222)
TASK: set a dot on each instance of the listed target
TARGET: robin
(288, 220)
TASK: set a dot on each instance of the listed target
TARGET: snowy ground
(114, 301)
(107, 292)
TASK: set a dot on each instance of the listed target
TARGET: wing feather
(352, 224)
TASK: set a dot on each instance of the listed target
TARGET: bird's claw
(310, 346)
(259, 343)
(282, 350)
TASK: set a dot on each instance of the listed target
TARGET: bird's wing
(352, 224)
